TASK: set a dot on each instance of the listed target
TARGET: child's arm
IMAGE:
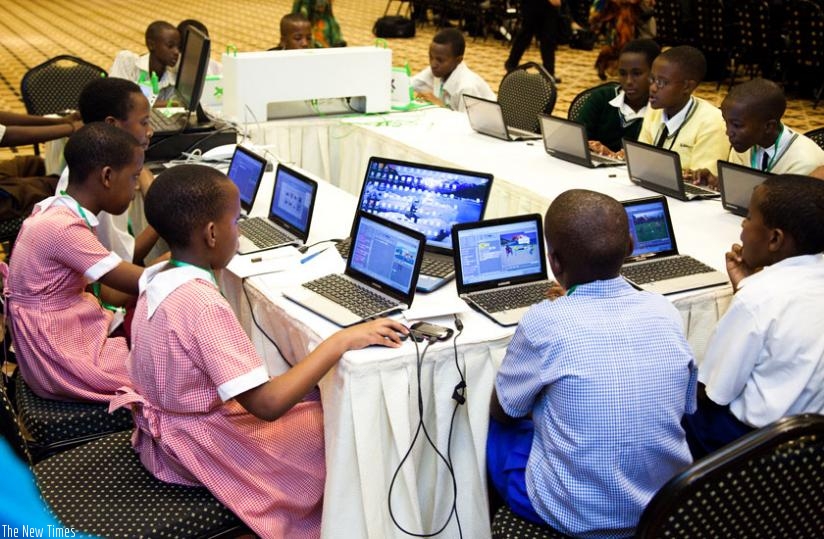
(429, 96)
(701, 176)
(29, 129)
(143, 243)
(123, 279)
(271, 400)
(737, 269)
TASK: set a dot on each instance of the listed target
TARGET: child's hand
(145, 180)
(383, 331)
(737, 269)
(600, 149)
(429, 96)
(555, 291)
(701, 176)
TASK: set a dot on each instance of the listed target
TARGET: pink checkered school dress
(60, 331)
(270, 474)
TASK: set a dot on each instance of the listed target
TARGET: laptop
(487, 117)
(567, 140)
(655, 264)
(501, 267)
(659, 170)
(429, 199)
(290, 208)
(381, 273)
(191, 74)
(736, 183)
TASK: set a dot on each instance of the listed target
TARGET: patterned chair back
(580, 100)
(56, 84)
(523, 95)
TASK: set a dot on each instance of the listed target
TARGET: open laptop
(736, 183)
(659, 170)
(567, 140)
(487, 117)
(191, 74)
(655, 264)
(501, 267)
(290, 208)
(381, 273)
(429, 199)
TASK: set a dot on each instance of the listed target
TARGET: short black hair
(763, 98)
(106, 97)
(692, 61)
(183, 27)
(795, 204)
(183, 199)
(647, 47)
(155, 28)
(292, 18)
(589, 232)
(452, 37)
(97, 145)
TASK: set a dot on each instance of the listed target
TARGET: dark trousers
(538, 19)
(23, 183)
(711, 427)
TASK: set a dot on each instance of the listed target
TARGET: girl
(205, 408)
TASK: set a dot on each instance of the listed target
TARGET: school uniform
(792, 153)
(608, 119)
(60, 330)
(128, 65)
(461, 81)
(187, 366)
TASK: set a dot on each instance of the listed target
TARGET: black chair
(751, 40)
(102, 488)
(579, 100)
(817, 135)
(508, 525)
(766, 484)
(711, 36)
(55, 426)
(523, 95)
(804, 52)
(674, 23)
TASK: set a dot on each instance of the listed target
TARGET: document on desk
(272, 261)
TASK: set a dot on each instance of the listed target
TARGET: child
(677, 120)
(765, 359)
(325, 28)
(588, 401)
(448, 78)
(612, 114)
(61, 332)
(206, 410)
(120, 103)
(163, 43)
(295, 32)
(752, 111)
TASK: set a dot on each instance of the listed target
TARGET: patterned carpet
(32, 31)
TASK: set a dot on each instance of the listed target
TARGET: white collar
(452, 84)
(676, 122)
(169, 73)
(625, 110)
(782, 142)
(160, 280)
(793, 261)
(67, 201)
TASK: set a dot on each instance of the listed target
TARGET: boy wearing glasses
(677, 120)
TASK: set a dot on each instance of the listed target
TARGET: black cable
(305, 248)
(260, 328)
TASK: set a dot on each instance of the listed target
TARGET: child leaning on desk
(448, 78)
(155, 71)
(61, 331)
(206, 410)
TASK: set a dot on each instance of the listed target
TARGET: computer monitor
(194, 63)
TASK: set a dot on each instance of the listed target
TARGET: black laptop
(487, 118)
(659, 170)
(736, 183)
(567, 140)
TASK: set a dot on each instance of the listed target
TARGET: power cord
(305, 248)
(257, 324)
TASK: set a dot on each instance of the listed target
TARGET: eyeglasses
(662, 83)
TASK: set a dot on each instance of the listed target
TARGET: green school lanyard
(96, 284)
(180, 264)
(772, 159)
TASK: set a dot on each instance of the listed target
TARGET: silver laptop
(487, 117)
(736, 183)
(655, 264)
(381, 273)
(659, 170)
(290, 208)
(426, 198)
(567, 140)
(501, 267)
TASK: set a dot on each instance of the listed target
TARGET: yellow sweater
(802, 156)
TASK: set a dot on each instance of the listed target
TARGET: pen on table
(613, 175)
(307, 258)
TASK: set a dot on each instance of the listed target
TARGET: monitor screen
(501, 251)
(194, 63)
(649, 227)
(385, 254)
(246, 171)
(293, 198)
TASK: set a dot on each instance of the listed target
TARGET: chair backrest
(710, 26)
(750, 40)
(10, 425)
(817, 135)
(766, 484)
(674, 22)
(804, 31)
(56, 84)
(523, 95)
(580, 100)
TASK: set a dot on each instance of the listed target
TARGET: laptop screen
(425, 198)
(501, 250)
(564, 136)
(293, 200)
(385, 254)
(737, 184)
(246, 171)
(654, 166)
(650, 227)
(485, 116)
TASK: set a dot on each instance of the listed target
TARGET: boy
(677, 120)
(765, 359)
(752, 111)
(163, 43)
(612, 114)
(295, 33)
(120, 103)
(448, 78)
(604, 372)
(541, 19)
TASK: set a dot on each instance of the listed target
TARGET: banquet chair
(523, 95)
(817, 135)
(804, 52)
(579, 100)
(751, 41)
(508, 525)
(102, 488)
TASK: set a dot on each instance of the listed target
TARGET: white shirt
(766, 356)
(627, 113)
(128, 65)
(461, 81)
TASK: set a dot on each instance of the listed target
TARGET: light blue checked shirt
(607, 374)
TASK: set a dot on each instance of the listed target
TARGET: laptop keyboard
(666, 268)
(357, 299)
(691, 189)
(435, 266)
(262, 233)
(605, 160)
(161, 123)
(502, 299)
